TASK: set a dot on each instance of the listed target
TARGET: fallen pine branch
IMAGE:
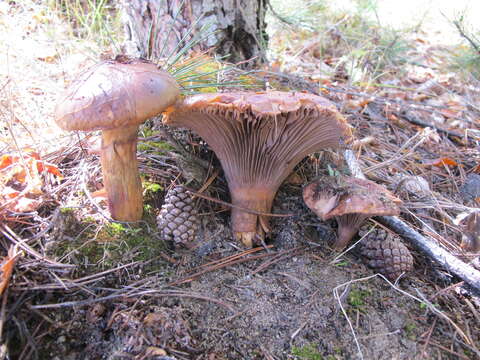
(454, 135)
(426, 245)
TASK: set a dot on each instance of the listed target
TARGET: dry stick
(451, 134)
(234, 256)
(166, 293)
(225, 264)
(463, 34)
(73, 283)
(460, 356)
(21, 243)
(426, 245)
(429, 335)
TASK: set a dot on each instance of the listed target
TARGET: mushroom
(116, 96)
(350, 201)
(259, 138)
(470, 227)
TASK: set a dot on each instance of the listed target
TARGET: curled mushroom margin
(350, 201)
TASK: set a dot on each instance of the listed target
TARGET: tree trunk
(155, 29)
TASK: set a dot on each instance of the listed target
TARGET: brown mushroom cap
(355, 201)
(361, 196)
(115, 94)
(320, 199)
(259, 138)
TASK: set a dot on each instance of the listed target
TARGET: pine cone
(385, 252)
(178, 219)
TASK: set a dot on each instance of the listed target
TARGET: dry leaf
(155, 351)
(441, 162)
(24, 204)
(450, 113)
(23, 176)
(6, 268)
(100, 195)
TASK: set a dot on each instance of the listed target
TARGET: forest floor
(82, 287)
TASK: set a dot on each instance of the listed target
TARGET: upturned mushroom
(259, 138)
(116, 96)
(470, 227)
(350, 201)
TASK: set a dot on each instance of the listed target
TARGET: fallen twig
(153, 292)
(463, 34)
(221, 265)
(426, 245)
(21, 244)
(451, 134)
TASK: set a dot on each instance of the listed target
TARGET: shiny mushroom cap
(259, 138)
(352, 201)
(365, 197)
(114, 94)
(116, 97)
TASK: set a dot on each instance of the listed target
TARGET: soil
(283, 306)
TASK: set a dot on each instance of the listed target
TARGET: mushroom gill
(259, 138)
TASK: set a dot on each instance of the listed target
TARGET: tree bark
(156, 27)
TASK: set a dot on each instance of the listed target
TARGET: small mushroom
(350, 201)
(116, 96)
(470, 227)
(259, 138)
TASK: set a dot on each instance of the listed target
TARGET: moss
(357, 299)
(150, 187)
(409, 329)
(306, 352)
(67, 210)
(108, 245)
(158, 147)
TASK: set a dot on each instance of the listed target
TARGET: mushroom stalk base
(120, 173)
(345, 235)
(248, 227)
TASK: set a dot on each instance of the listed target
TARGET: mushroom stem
(120, 173)
(248, 226)
(344, 235)
(348, 226)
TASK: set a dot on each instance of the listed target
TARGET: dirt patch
(282, 306)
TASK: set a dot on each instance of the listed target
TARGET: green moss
(107, 245)
(67, 210)
(357, 298)
(159, 147)
(149, 187)
(409, 329)
(307, 352)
